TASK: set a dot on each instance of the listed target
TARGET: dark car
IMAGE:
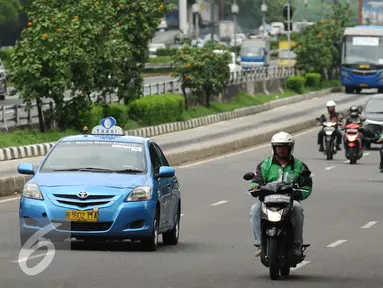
(373, 124)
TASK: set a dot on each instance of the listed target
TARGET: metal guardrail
(18, 115)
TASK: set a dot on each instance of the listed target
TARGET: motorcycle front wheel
(273, 259)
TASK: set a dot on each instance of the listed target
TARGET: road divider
(13, 185)
(42, 149)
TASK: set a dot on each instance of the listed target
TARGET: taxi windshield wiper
(128, 171)
(95, 169)
(85, 169)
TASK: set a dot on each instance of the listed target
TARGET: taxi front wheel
(151, 244)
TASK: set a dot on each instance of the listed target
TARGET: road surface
(216, 244)
(226, 130)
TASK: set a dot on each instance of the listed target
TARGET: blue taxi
(102, 186)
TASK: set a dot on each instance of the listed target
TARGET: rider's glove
(253, 186)
(296, 195)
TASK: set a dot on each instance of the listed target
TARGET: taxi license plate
(363, 85)
(82, 216)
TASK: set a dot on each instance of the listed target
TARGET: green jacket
(270, 170)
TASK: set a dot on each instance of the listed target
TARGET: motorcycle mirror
(305, 173)
(248, 176)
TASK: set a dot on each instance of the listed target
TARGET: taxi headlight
(141, 193)
(32, 191)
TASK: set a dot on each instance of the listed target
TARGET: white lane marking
(303, 263)
(336, 243)
(9, 199)
(369, 224)
(329, 168)
(219, 203)
(312, 175)
(242, 151)
(348, 161)
(182, 215)
(32, 257)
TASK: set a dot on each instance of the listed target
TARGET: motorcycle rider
(381, 154)
(335, 117)
(356, 118)
(281, 167)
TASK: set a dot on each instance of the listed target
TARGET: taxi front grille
(74, 200)
(90, 197)
(82, 226)
(83, 204)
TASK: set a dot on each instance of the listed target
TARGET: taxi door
(162, 187)
(173, 187)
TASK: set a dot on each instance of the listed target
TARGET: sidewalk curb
(36, 150)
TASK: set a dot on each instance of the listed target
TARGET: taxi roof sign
(108, 127)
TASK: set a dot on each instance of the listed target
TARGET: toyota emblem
(82, 194)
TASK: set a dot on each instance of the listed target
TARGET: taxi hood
(54, 179)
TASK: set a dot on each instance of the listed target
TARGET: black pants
(337, 133)
(381, 157)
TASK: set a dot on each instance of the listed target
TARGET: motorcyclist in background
(281, 167)
(356, 118)
(335, 117)
(381, 154)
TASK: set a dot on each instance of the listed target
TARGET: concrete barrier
(10, 186)
(36, 150)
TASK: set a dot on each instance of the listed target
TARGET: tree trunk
(40, 114)
(186, 98)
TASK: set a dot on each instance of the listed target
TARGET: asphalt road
(215, 248)
(242, 127)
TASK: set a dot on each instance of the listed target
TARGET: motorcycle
(354, 148)
(329, 128)
(277, 230)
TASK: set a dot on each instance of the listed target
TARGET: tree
(319, 45)
(205, 70)
(9, 11)
(84, 46)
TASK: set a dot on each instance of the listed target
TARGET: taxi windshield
(96, 156)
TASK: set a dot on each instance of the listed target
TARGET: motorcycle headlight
(32, 191)
(141, 193)
(274, 216)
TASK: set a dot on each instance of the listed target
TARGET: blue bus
(362, 58)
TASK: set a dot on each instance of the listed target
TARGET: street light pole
(288, 30)
(264, 11)
(195, 9)
(235, 11)
(306, 12)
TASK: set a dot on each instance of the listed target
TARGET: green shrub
(296, 83)
(120, 112)
(166, 52)
(313, 80)
(157, 109)
(91, 117)
(5, 56)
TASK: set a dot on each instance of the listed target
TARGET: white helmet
(283, 138)
(330, 104)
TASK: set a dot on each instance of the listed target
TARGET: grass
(160, 60)
(27, 137)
